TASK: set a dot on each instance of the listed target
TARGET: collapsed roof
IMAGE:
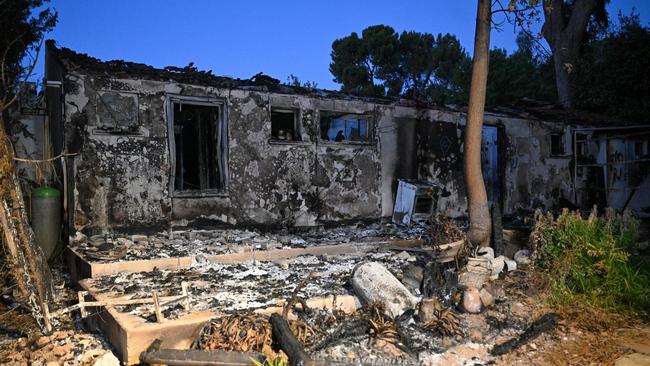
(190, 74)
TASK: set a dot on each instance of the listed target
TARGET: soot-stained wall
(531, 176)
(119, 130)
(118, 126)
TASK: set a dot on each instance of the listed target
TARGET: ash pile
(189, 242)
(439, 303)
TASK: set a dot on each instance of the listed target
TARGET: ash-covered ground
(198, 242)
(243, 288)
(228, 288)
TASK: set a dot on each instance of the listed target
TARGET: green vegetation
(270, 362)
(435, 69)
(612, 75)
(589, 260)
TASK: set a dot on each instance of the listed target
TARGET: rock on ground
(471, 300)
(375, 284)
(107, 359)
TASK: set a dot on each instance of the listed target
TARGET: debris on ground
(373, 283)
(412, 308)
(68, 344)
(544, 324)
(188, 242)
(443, 230)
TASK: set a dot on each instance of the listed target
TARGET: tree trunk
(26, 260)
(562, 85)
(564, 36)
(479, 212)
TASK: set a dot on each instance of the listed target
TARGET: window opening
(196, 141)
(557, 145)
(344, 127)
(284, 125)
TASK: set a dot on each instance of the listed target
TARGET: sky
(241, 38)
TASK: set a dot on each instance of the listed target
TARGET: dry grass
(586, 334)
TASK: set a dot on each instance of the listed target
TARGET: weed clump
(590, 260)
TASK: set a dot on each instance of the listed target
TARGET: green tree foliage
(22, 27)
(383, 63)
(522, 74)
(435, 69)
(612, 75)
(359, 63)
(432, 68)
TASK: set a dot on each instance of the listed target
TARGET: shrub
(589, 259)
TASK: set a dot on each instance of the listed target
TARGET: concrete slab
(130, 335)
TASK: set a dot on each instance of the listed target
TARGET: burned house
(150, 160)
(150, 147)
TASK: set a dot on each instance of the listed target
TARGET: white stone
(107, 359)
(403, 255)
(522, 257)
(485, 252)
(375, 284)
(471, 300)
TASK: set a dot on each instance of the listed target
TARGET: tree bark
(27, 262)
(479, 212)
(565, 37)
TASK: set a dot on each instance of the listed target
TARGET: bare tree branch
(520, 20)
(19, 89)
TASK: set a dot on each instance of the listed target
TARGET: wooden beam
(288, 342)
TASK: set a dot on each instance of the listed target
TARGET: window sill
(347, 143)
(287, 142)
(200, 194)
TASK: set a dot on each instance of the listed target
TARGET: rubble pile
(409, 307)
(398, 322)
(231, 288)
(194, 242)
(61, 348)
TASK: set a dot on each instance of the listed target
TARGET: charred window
(197, 140)
(640, 149)
(284, 125)
(344, 127)
(557, 145)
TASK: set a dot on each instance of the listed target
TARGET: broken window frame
(297, 132)
(222, 142)
(370, 128)
(561, 151)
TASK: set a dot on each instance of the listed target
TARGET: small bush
(589, 259)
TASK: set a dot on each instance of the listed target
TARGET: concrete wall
(531, 176)
(122, 179)
(614, 168)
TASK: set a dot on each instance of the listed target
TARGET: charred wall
(531, 176)
(119, 129)
(123, 171)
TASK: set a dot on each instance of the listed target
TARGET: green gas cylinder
(46, 218)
